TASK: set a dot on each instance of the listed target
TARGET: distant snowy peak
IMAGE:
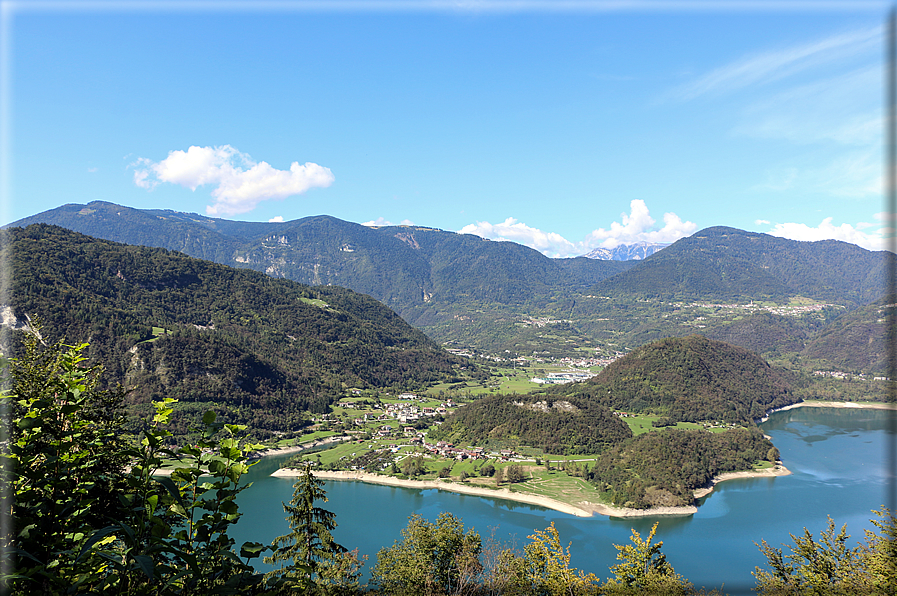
(626, 252)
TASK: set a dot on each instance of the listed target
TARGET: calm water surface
(836, 457)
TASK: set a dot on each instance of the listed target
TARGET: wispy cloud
(240, 182)
(822, 96)
(855, 175)
(770, 66)
(636, 226)
(778, 180)
(843, 108)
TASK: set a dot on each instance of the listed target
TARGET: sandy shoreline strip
(582, 509)
(840, 404)
(778, 470)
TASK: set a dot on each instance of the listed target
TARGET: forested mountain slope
(264, 350)
(501, 296)
(723, 264)
(689, 379)
(857, 340)
(556, 425)
(412, 269)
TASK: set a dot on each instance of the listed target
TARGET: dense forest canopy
(264, 350)
(556, 425)
(689, 379)
(640, 472)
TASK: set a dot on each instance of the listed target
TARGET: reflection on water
(836, 456)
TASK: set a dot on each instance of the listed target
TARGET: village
(376, 433)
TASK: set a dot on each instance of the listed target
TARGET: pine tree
(309, 547)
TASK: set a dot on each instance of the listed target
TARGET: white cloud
(549, 243)
(762, 222)
(637, 226)
(276, 219)
(241, 183)
(826, 230)
(381, 222)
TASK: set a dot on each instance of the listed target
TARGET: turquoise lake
(836, 456)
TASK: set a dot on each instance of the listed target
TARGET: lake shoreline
(269, 452)
(583, 509)
(818, 403)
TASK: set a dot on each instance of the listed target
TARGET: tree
(309, 546)
(829, 566)
(879, 555)
(63, 467)
(432, 558)
(180, 523)
(83, 523)
(544, 569)
(414, 466)
(643, 569)
(514, 473)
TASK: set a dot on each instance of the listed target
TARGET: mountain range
(411, 269)
(721, 263)
(498, 296)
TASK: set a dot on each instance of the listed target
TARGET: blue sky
(562, 129)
